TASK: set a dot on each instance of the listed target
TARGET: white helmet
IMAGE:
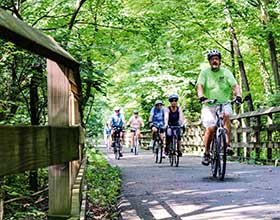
(117, 108)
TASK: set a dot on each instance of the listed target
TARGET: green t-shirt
(217, 85)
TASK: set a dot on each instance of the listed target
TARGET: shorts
(208, 114)
(161, 129)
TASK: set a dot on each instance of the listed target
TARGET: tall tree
(238, 55)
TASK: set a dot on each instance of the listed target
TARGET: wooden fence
(254, 135)
(59, 145)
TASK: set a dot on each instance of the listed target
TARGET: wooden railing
(254, 135)
(59, 145)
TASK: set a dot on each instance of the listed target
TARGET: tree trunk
(239, 57)
(265, 74)
(35, 120)
(271, 42)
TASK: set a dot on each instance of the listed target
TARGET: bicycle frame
(173, 147)
(136, 142)
(157, 146)
(218, 144)
(116, 142)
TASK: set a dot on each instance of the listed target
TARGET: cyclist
(107, 135)
(156, 119)
(173, 117)
(217, 83)
(117, 120)
(135, 122)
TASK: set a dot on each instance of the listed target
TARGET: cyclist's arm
(200, 90)
(166, 116)
(237, 90)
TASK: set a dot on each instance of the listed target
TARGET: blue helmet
(173, 97)
(214, 52)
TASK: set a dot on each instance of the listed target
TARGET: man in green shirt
(217, 83)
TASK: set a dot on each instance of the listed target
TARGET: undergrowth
(104, 185)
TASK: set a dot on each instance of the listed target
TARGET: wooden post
(58, 111)
(269, 137)
(239, 139)
(258, 140)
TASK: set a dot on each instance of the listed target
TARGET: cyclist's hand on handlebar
(238, 100)
(203, 99)
(183, 128)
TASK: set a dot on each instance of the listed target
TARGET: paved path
(158, 191)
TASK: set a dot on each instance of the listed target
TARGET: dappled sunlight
(159, 212)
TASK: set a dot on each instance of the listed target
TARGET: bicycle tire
(171, 155)
(221, 142)
(136, 144)
(213, 158)
(177, 153)
(155, 150)
(160, 152)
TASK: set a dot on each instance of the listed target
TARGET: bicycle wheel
(176, 161)
(117, 151)
(171, 155)
(136, 144)
(222, 157)
(213, 158)
(155, 150)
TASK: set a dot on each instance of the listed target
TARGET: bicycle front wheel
(136, 146)
(214, 158)
(222, 159)
(157, 152)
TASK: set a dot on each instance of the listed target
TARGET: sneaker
(206, 159)
(230, 152)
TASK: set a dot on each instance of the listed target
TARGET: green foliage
(17, 186)
(104, 183)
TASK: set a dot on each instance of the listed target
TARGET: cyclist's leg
(132, 133)
(208, 118)
(168, 136)
(227, 125)
(139, 135)
(179, 142)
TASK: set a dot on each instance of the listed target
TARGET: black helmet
(214, 52)
(158, 102)
(173, 97)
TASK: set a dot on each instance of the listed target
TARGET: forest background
(133, 53)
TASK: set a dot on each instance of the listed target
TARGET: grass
(104, 184)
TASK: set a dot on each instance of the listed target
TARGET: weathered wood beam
(18, 32)
(256, 113)
(30, 147)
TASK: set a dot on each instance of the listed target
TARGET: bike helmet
(173, 97)
(135, 111)
(158, 102)
(117, 108)
(214, 52)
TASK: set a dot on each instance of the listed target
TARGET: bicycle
(218, 153)
(136, 142)
(116, 142)
(173, 150)
(157, 146)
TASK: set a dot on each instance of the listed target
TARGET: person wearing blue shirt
(156, 119)
(117, 120)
